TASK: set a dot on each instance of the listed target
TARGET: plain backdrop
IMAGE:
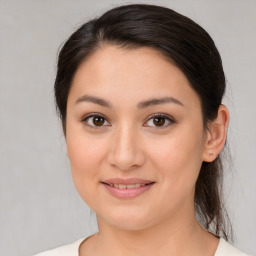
(39, 206)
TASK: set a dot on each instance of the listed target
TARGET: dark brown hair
(184, 43)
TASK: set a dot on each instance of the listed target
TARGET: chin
(127, 221)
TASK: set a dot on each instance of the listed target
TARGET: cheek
(178, 160)
(85, 157)
(83, 154)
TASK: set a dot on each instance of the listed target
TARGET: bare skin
(133, 141)
(146, 242)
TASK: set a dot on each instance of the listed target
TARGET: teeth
(123, 186)
(131, 186)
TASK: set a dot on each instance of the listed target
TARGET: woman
(139, 93)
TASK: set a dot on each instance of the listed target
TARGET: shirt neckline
(80, 241)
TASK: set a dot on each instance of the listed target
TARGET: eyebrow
(143, 104)
(93, 99)
(158, 101)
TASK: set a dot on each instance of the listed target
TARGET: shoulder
(226, 249)
(66, 250)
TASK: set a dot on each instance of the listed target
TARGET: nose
(126, 150)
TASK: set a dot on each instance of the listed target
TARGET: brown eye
(98, 121)
(95, 121)
(159, 120)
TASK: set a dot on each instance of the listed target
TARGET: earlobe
(216, 135)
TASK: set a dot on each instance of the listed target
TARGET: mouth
(128, 186)
(127, 189)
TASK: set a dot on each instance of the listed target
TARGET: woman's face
(133, 119)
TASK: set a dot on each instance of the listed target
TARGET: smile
(127, 190)
(128, 186)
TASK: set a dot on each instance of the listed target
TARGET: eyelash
(85, 120)
(157, 115)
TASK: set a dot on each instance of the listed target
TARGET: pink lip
(128, 192)
(127, 181)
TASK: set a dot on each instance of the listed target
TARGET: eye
(95, 120)
(159, 120)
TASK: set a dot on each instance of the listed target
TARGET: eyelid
(166, 116)
(95, 114)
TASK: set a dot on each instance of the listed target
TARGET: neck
(172, 237)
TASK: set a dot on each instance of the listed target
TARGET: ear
(216, 135)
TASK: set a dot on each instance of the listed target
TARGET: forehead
(113, 72)
(112, 58)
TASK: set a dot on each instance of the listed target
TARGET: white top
(223, 249)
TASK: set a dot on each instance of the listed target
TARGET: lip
(127, 181)
(127, 193)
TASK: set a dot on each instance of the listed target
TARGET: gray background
(40, 208)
